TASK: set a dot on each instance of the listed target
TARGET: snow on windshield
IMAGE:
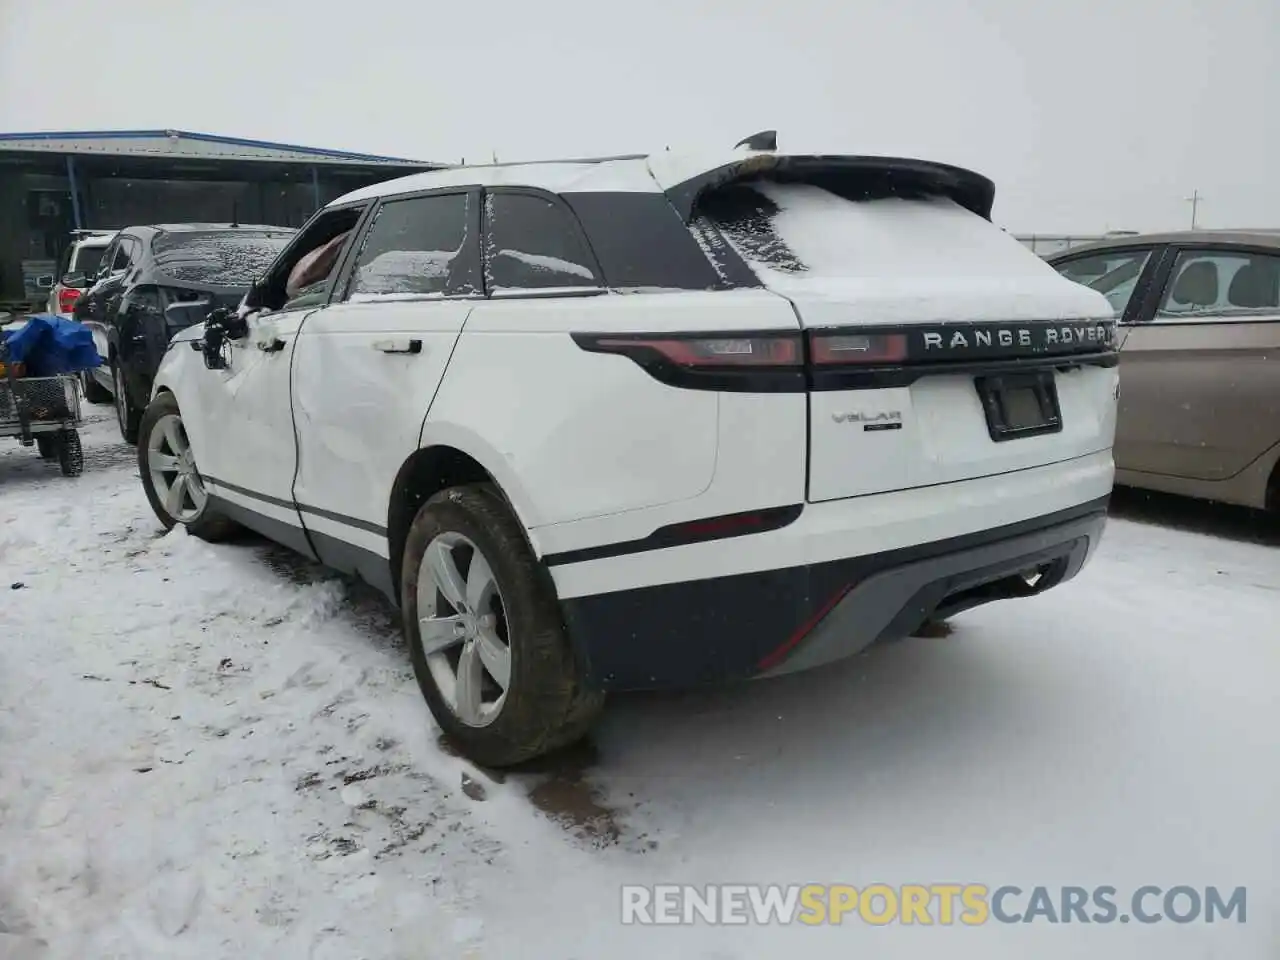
(217, 259)
(794, 232)
(907, 258)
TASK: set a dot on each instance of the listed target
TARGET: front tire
(485, 635)
(127, 415)
(170, 477)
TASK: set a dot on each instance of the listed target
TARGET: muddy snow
(220, 752)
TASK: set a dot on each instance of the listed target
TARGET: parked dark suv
(145, 271)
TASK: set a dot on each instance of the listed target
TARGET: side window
(124, 255)
(300, 277)
(532, 243)
(1207, 283)
(412, 248)
(108, 258)
(1115, 275)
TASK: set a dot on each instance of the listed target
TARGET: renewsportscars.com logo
(967, 904)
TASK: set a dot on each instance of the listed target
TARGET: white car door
(246, 452)
(367, 366)
(247, 459)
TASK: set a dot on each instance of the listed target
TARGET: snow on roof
(659, 172)
(182, 143)
(611, 174)
(635, 173)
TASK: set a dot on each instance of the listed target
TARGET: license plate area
(1020, 405)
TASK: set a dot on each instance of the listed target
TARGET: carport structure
(53, 183)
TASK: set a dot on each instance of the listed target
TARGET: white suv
(648, 422)
(80, 264)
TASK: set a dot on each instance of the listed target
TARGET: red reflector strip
(719, 526)
(777, 655)
(857, 348)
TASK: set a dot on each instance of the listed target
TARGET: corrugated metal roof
(183, 143)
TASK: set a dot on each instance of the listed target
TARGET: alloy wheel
(463, 628)
(172, 466)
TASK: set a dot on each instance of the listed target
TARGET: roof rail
(530, 163)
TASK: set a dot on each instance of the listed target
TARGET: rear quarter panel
(591, 435)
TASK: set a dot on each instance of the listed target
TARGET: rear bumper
(779, 621)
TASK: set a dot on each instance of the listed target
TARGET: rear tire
(166, 461)
(544, 705)
(127, 416)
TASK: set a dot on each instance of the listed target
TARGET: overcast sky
(1088, 114)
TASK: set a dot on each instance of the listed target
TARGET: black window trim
(534, 293)
(345, 270)
(1172, 253)
(362, 205)
(1139, 302)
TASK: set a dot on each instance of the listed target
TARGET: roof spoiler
(970, 190)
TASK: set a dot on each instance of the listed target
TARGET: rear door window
(417, 247)
(1114, 274)
(534, 243)
(1208, 284)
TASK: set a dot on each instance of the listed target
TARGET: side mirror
(45, 282)
(222, 325)
(76, 279)
(187, 313)
(253, 296)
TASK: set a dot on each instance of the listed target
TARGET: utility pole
(1194, 200)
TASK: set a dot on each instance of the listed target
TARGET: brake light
(67, 298)
(831, 348)
(703, 352)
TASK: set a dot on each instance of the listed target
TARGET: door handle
(275, 346)
(398, 346)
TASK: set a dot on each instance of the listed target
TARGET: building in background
(53, 183)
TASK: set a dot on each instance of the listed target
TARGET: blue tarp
(50, 344)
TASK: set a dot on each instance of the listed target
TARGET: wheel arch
(438, 465)
(1271, 496)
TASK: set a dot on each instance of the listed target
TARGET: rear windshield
(797, 233)
(85, 260)
(218, 259)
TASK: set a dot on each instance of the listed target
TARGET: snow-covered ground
(219, 752)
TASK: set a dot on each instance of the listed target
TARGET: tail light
(830, 348)
(719, 352)
(735, 362)
(67, 298)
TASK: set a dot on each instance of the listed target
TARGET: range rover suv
(646, 422)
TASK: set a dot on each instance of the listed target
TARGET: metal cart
(44, 411)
